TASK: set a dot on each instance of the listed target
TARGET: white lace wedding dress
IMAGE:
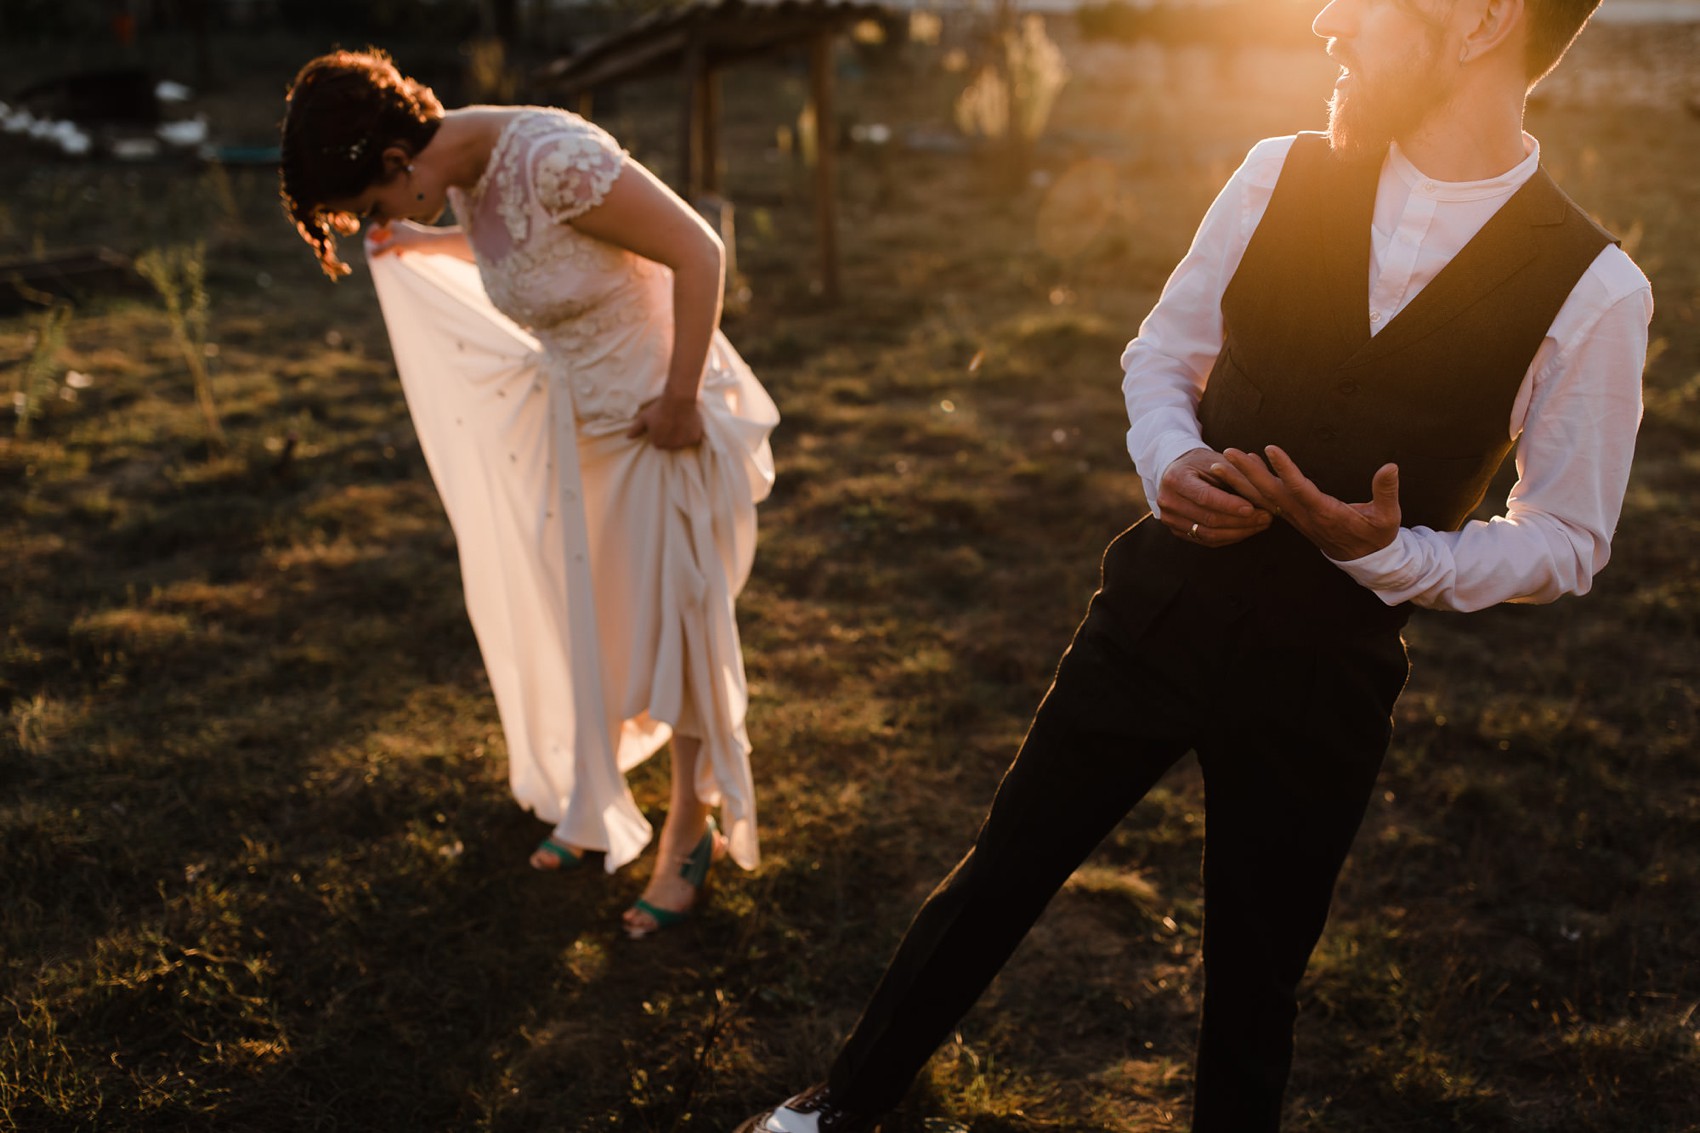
(600, 571)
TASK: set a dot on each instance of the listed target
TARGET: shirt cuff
(1162, 452)
(1388, 571)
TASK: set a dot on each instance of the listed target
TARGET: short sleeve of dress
(573, 168)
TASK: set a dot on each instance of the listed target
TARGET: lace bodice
(604, 314)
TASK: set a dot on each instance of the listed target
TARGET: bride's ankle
(679, 836)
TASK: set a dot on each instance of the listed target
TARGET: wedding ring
(1194, 533)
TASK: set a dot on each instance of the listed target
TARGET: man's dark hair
(1553, 27)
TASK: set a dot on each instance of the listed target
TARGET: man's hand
(1340, 530)
(669, 423)
(1195, 505)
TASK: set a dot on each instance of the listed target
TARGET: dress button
(1375, 316)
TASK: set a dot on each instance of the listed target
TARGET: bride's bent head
(351, 130)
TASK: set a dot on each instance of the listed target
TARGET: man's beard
(1366, 115)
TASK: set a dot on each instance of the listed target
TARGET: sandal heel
(694, 870)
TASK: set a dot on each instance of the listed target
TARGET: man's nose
(1334, 21)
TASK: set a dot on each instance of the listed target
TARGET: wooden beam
(654, 56)
(655, 46)
(28, 282)
(826, 160)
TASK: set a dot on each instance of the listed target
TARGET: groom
(1365, 325)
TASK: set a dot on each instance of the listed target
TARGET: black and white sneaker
(812, 1111)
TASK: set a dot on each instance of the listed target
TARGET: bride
(597, 443)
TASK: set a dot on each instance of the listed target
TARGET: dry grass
(259, 869)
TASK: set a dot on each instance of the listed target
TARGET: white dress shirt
(1574, 419)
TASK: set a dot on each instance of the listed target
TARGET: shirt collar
(1503, 185)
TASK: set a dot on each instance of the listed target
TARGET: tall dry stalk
(179, 275)
(38, 377)
(1037, 72)
(490, 74)
(1012, 95)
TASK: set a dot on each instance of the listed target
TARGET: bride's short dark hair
(344, 109)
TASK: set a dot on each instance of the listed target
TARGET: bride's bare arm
(642, 215)
(406, 236)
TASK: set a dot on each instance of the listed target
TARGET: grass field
(259, 868)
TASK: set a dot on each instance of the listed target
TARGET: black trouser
(1290, 738)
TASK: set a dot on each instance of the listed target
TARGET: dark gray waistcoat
(1431, 392)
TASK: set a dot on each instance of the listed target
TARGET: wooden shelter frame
(697, 41)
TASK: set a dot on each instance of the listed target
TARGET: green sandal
(566, 858)
(695, 873)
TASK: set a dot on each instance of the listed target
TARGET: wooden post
(709, 101)
(690, 124)
(826, 153)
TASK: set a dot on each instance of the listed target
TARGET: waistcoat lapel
(1499, 250)
(1343, 219)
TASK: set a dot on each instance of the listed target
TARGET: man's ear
(1497, 20)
